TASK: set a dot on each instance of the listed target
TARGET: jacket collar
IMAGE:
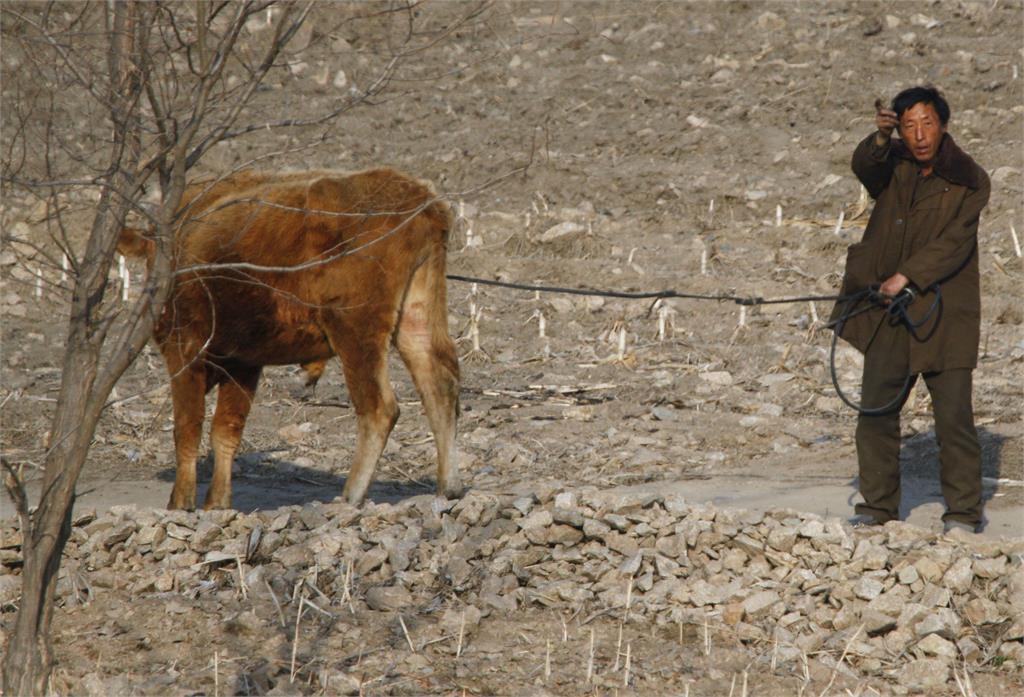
(951, 163)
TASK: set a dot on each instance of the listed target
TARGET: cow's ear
(134, 243)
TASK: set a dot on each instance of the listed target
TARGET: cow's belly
(270, 338)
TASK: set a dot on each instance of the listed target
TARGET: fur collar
(951, 163)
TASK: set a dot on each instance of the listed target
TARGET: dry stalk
(462, 633)
(405, 630)
(707, 637)
(625, 673)
(732, 685)
(629, 601)
(618, 650)
(842, 657)
(216, 674)
(295, 639)
(273, 596)
(547, 663)
(590, 659)
(241, 579)
(964, 684)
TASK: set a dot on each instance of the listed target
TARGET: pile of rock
(897, 600)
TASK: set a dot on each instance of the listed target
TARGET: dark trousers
(878, 437)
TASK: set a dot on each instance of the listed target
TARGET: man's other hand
(892, 286)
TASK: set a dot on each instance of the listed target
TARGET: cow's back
(274, 253)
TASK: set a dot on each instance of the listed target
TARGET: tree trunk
(29, 657)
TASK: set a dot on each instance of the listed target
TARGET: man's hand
(893, 285)
(885, 122)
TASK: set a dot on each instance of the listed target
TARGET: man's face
(922, 131)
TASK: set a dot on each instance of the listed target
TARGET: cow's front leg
(234, 399)
(188, 394)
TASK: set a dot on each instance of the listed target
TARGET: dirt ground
(702, 147)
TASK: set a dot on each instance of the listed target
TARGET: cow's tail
(442, 220)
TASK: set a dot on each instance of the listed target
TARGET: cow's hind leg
(429, 354)
(234, 399)
(188, 395)
(361, 344)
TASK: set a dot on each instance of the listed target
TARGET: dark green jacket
(932, 240)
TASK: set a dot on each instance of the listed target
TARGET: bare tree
(107, 100)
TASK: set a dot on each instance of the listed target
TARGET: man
(920, 245)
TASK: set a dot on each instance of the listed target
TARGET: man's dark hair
(917, 95)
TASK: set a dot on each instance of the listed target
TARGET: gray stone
(928, 569)
(935, 645)
(458, 571)
(388, 598)
(631, 564)
(757, 604)
(622, 544)
(504, 603)
(925, 674)
(969, 649)
(619, 522)
(537, 519)
(941, 621)
(206, 532)
(462, 619)
(912, 613)
(312, 516)
(595, 528)
(294, 556)
(1015, 632)
(338, 682)
(118, 534)
(566, 500)
(892, 601)
(1015, 589)
(565, 535)
(1013, 650)
(150, 535)
(523, 504)
(782, 539)
(872, 556)
(567, 516)
(958, 577)
(370, 560)
(990, 568)
(666, 566)
(979, 611)
(868, 588)
(908, 575)
(876, 622)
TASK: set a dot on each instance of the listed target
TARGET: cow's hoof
(451, 490)
(181, 502)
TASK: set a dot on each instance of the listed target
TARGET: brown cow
(296, 268)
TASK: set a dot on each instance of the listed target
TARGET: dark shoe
(951, 525)
(863, 520)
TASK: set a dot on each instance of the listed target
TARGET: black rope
(642, 295)
(895, 310)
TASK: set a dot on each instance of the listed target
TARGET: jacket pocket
(860, 271)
